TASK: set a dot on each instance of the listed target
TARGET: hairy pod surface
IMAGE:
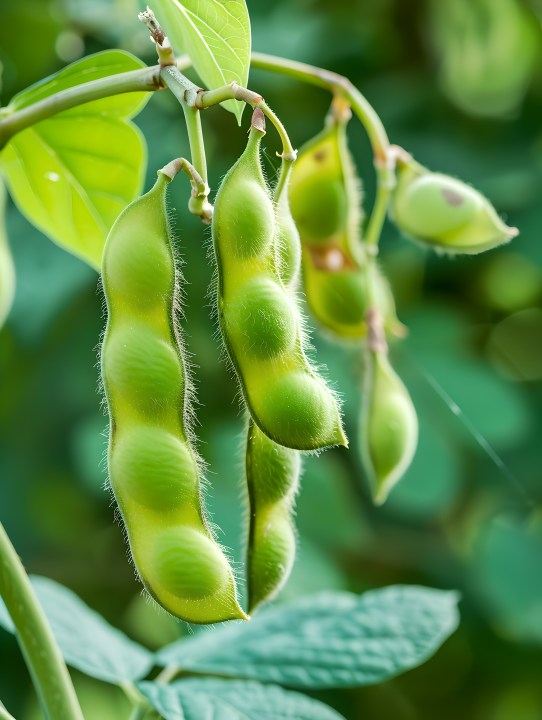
(388, 428)
(260, 322)
(272, 478)
(446, 213)
(289, 242)
(153, 467)
(7, 268)
(325, 195)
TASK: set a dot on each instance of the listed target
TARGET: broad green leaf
(198, 698)
(332, 639)
(86, 640)
(7, 268)
(72, 175)
(216, 35)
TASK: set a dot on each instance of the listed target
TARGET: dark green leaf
(86, 640)
(333, 639)
(72, 175)
(211, 698)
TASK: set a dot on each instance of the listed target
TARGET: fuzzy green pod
(7, 268)
(272, 478)
(260, 322)
(446, 213)
(486, 51)
(325, 197)
(154, 469)
(288, 242)
(389, 424)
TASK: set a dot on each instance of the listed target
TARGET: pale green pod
(446, 213)
(154, 470)
(326, 205)
(7, 268)
(486, 51)
(389, 426)
(325, 194)
(272, 479)
(260, 322)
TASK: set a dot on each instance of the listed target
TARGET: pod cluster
(325, 196)
(260, 322)
(153, 467)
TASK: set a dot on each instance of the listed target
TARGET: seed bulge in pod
(274, 468)
(272, 553)
(189, 565)
(260, 319)
(154, 468)
(139, 264)
(301, 407)
(389, 427)
(244, 216)
(446, 213)
(142, 366)
(319, 207)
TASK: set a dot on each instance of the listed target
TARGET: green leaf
(332, 639)
(216, 35)
(198, 698)
(86, 640)
(72, 174)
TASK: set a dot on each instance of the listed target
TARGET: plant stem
(167, 674)
(378, 216)
(143, 80)
(40, 650)
(337, 84)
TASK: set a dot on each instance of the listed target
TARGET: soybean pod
(154, 470)
(326, 197)
(389, 424)
(272, 479)
(260, 322)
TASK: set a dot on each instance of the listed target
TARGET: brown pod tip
(258, 120)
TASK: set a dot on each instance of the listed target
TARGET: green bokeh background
(467, 514)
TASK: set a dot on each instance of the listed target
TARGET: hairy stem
(40, 650)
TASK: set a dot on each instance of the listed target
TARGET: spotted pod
(260, 322)
(7, 268)
(272, 478)
(446, 213)
(325, 197)
(154, 470)
(486, 51)
(389, 424)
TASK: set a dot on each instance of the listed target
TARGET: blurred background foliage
(459, 84)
